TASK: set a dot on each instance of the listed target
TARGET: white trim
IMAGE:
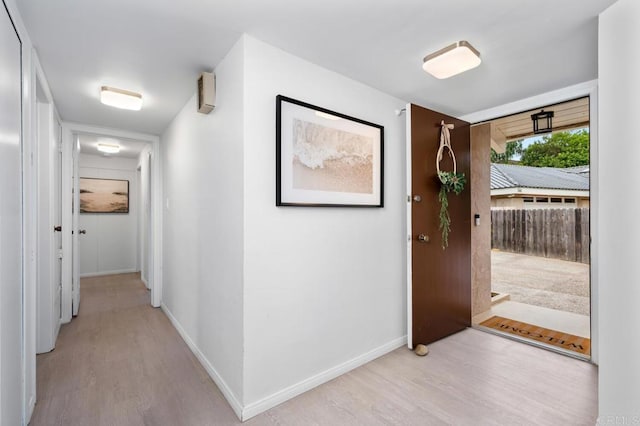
(57, 330)
(41, 77)
(292, 391)
(114, 272)
(409, 230)
(97, 130)
(31, 405)
(75, 220)
(67, 223)
(594, 214)
(588, 88)
(236, 406)
(543, 100)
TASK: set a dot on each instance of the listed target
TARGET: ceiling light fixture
(120, 98)
(542, 122)
(108, 148)
(453, 59)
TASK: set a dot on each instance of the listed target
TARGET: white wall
(111, 242)
(619, 269)
(323, 286)
(202, 227)
(277, 300)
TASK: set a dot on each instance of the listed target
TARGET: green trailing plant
(449, 182)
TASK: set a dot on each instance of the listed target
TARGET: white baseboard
(236, 406)
(246, 412)
(30, 407)
(292, 391)
(99, 274)
(57, 332)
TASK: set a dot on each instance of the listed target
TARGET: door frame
(69, 132)
(145, 212)
(590, 89)
(409, 229)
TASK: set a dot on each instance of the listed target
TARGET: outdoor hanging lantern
(542, 122)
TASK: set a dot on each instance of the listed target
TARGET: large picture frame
(104, 195)
(327, 159)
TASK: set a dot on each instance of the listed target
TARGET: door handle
(57, 228)
(423, 238)
(82, 231)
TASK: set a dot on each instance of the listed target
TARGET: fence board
(556, 233)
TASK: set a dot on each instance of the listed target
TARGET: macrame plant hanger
(445, 142)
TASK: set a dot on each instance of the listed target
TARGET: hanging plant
(449, 182)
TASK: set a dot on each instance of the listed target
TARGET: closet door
(11, 307)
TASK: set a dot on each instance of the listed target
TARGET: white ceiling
(158, 47)
(128, 148)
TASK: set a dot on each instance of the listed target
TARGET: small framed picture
(104, 195)
(326, 159)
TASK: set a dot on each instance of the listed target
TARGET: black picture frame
(98, 195)
(327, 159)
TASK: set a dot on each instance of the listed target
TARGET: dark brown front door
(441, 279)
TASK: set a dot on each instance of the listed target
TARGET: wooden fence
(556, 233)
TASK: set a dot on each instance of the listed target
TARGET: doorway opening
(534, 282)
(114, 208)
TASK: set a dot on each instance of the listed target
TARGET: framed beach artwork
(326, 159)
(104, 195)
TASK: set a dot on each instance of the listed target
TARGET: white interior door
(11, 254)
(57, 213)
(49, 226)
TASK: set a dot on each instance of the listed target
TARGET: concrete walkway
(550, 283)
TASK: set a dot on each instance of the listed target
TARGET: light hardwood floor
(120, 362)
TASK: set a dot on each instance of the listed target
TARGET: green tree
(562, 149)
(512, 149)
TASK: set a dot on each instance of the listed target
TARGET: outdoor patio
(550, 283)
(551, 293)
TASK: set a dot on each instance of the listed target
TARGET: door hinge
(60, 254)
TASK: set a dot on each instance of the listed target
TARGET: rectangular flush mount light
(453, 59)
(120, 98)
(109, 148)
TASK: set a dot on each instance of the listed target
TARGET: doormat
(582, 345)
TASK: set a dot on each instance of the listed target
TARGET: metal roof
(513, 176)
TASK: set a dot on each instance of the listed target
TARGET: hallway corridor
(121, 362)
